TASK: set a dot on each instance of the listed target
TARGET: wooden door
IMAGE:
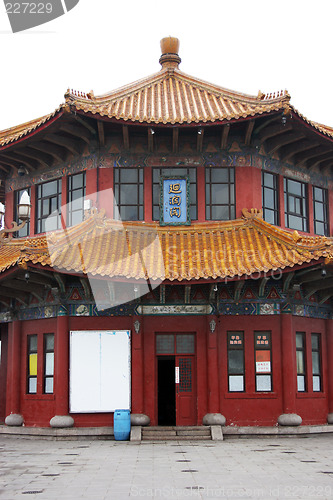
(185, 390)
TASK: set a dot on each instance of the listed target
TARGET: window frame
(303, 201)
(324, 203)
(234, 347)
(209, 205)
(70, 191)
(318, 350)
(118, 183)
(303, 373)
(263, 347)
(40, 217)
(46, 351)
(276, 191)
(30, 352)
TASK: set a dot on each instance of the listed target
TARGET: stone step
(175, 438)
(168, 433)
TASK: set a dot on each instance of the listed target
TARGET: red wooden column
(329, 336)
(137, 365)
(288, 366)
(213, 417)
(212, 365)
(14, 417)
(61, 372)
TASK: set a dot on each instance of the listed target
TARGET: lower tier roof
(136, 250)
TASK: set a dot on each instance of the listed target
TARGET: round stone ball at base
(61, 421)
(214, 419)
(289, 419)
(14, 420)
(140, 419)
(330, 418)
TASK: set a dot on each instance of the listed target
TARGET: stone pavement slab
(263, 468)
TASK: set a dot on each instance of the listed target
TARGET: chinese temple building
(177, 262)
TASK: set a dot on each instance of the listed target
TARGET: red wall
(248, 408)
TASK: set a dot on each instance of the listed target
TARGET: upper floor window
(320, 211)
(128, 193)
(25, 230)
(296, 204)
(270, 198)
(76, 194)
(220, 193)
(175, 172)
(48, 216)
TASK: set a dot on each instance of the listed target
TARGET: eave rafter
(78, 131)
(101, 132)
(314, 153)
(45, 160)
(248, 132)
(57, 153)
(224, 135)
(18, 160)
(287, 153)
(72, 145)
(273, 145)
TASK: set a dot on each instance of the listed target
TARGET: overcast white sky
(243, 45)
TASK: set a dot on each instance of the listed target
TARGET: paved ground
(274, 468)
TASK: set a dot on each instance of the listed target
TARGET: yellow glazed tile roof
(135, 250)
(172, 97)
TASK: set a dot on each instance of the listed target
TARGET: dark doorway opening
(166, 390)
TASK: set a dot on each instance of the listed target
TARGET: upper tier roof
(135, 250)
(168, 97)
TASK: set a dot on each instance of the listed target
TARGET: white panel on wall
(100, 371)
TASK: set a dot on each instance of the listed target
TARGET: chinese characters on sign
(174, 201)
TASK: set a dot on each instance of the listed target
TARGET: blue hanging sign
(174, 201)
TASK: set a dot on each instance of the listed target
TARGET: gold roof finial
(170, 57)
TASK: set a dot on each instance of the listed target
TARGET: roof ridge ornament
(253, 213)
(170, 58)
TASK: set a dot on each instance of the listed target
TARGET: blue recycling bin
(122, 425)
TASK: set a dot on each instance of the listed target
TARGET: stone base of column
(330, 418)
(14, 420)
(140, 419)
(214, 419)
(62, 421)
(289, 419)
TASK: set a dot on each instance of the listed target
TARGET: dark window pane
(268, 180)
(220, 193)
(269, 199)
(129, 194)
(128, 175)
(220, 175)
(77, 181)
(295, 222)
(315, 363)
(50, 188)
(185, 344)
(295, 187)
(235, 361)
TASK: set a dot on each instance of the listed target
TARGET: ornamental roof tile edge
(236, 248)
(168, 97)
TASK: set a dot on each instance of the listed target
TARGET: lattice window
(185, 375)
